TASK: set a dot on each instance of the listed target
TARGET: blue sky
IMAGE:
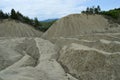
(47, 9)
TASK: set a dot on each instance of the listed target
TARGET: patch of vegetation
(16, 15)
(92, 10)
(3, 15)
(46, 25)
(112, 15)
(115, 13)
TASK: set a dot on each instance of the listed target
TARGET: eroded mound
(30, 59)
(89, 63)
(12, 28)
(78, 24)
(13, 50)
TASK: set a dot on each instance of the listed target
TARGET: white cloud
(43, 9)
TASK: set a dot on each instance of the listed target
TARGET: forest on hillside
(16, 15)
(114, 13)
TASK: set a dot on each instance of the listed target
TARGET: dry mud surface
(95, 58)
(30, 59)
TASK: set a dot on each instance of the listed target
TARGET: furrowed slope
(77, 24)
(12, 28)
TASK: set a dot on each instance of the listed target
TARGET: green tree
(91, 11)
(99, 9)
(6, 16)
(96, 11)
(36, 22)
(13, 14)
(83, 12)
(1, 14)
(87, 10)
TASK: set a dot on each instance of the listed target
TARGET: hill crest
(78, 24)
(14, 28)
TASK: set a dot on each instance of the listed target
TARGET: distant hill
(49, 20)
(46, 24)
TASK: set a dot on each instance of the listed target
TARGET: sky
(50, 9)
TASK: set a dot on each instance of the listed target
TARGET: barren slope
(12, 28)
(30, 59)
(77, 24)
(89, 63)
(85, 48)
(90, 46)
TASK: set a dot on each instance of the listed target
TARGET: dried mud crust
(87, 63)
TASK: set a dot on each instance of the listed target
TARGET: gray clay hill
(76, 47)
(13, 28)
